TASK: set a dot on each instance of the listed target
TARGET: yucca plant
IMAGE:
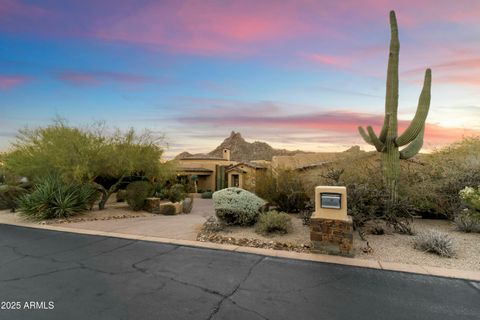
(54, 199)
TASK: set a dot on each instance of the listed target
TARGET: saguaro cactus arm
(376, 142)
(371, 137)
(364, 135)
(421, 114)
(414, 147)
(391, 98)
(383, 133)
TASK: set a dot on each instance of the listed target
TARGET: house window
(235, 180)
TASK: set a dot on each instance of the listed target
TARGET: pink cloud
(343, 123)
(18, 8)
(207, 28)
(9, 82)
(470, 80)
(336, 61)
(100, 77)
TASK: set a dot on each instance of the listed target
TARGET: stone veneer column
(332, 236)
(331, 229)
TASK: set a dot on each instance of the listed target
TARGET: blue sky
(297, 74)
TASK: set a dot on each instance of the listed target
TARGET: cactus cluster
(221, 181)
(388, 142)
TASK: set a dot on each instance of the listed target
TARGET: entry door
(236, 180)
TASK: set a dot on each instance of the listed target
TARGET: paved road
(93, 277)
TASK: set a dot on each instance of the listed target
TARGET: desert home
(215, 173)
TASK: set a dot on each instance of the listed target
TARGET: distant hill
(242, 150)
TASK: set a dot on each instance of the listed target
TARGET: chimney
(226, 154)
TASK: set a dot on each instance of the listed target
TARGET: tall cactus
(388, 142)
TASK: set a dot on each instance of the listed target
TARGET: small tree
(86, 155)
(194, 178)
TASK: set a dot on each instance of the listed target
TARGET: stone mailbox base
(332, 236)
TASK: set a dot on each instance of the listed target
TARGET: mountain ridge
(241, 150)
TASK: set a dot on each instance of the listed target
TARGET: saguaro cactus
(388, 142)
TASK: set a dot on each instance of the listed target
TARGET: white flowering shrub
(471, 197)
(469, 219)
(237, 206)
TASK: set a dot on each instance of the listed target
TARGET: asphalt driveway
(54, 275)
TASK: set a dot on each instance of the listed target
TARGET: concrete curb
(362, 263)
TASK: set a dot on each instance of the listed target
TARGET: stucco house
(216, 173)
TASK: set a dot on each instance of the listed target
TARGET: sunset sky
(297, 74)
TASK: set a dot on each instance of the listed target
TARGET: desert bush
(168, 209)
(434, 242)
(284, 189)
(52, 198)
(187, 205)
(307, 212)
(136, 194)
(121, 195)
(367, 202)
(206, 195)
(433, 187)
(9, 196)
(467, 222)
(237, 206)
(273, 222)
(176, 193)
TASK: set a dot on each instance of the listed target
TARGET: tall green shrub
(9, 196)
(87, 154)
(176, 193)
(136, 194)
(283, 188)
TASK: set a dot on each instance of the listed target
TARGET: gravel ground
(300, 234)
(388, 247)
(399, 248)
(113, 210)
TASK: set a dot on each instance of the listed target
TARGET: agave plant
(53, 199)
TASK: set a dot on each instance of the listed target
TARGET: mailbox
(331, 200)
(331, 229)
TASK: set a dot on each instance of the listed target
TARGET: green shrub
(467, 222)
(434, 242)
(433, 186)
(53, 199)
(9, 196)
(176, 193)
(168, 209)
(237, 206)
(273, 222)
(285, 189)
(207, 195)
(121, 195)
(137, 193)
(187, 205)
